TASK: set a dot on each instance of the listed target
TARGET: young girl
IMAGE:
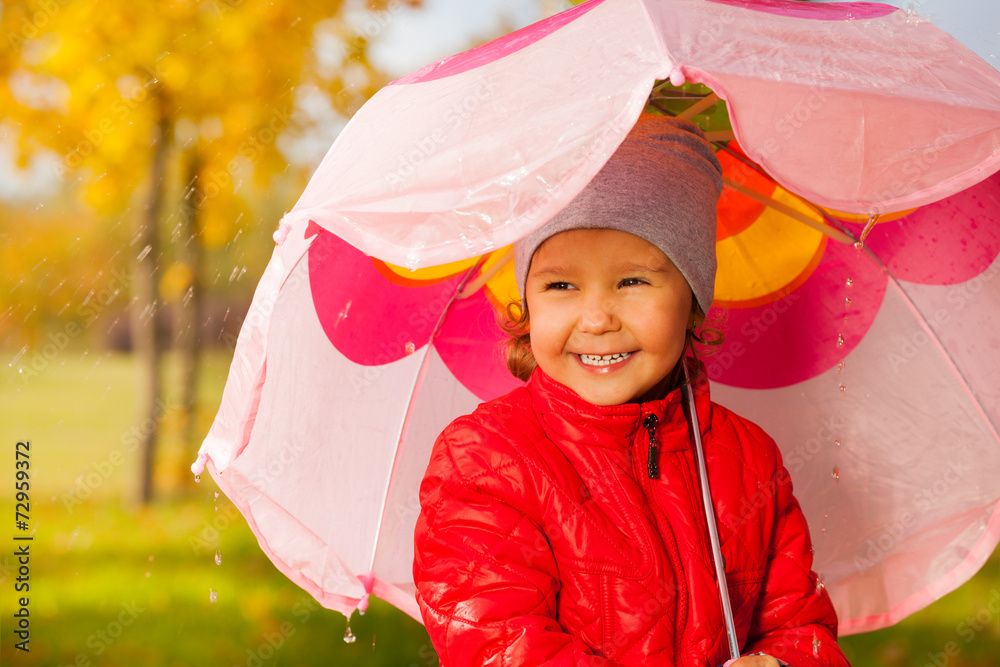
(562, 524)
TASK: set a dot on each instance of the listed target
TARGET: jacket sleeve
(794, 619)
(486, 579)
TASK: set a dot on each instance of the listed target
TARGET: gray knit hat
(662, 185)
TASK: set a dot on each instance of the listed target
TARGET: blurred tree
(164, 111)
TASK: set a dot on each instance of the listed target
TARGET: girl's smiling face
(608, 314)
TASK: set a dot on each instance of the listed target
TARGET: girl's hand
(758, 660)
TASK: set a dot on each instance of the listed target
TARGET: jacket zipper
(653, 464)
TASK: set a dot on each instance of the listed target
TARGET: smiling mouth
(604, 359)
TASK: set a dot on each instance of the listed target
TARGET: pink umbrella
(347, 366)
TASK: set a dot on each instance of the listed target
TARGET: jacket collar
(564, 415)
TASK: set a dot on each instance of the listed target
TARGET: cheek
(544, 339)
(664, 332)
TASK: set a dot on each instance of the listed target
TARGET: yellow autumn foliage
(87, 84)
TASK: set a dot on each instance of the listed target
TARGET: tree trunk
(189, 316)
(146, 339)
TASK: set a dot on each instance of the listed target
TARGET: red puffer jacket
(542, 539)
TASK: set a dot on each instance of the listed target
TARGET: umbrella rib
(746, 191)
(963, 382)
(485, 276)
(833, 232)
(698, 107)
(409, 409)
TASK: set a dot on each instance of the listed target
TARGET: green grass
(103, 557)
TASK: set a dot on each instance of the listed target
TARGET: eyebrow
(559, 271)
(646, 268)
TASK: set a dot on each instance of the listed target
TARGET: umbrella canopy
(327, 422)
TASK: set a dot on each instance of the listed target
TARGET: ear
(695, 318)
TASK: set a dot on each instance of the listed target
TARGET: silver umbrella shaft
(713, 531)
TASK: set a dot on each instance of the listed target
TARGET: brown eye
(631, 282)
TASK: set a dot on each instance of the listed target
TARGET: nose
(598, 315)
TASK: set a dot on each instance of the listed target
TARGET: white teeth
(604, 360)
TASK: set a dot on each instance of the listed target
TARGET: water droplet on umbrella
(843, 389)
(218, 557)
(849, 282)
(410, 347)
(840, 340)
(349, 637)
(840, 366)
(836, 473)
(847, 301)
(213, 596)
(872, 219)
(145, 251)
(858, 245)
(837, 442)
(816, 645)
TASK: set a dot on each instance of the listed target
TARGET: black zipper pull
(653, 466)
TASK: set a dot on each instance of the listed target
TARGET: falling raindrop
(25, 349)
(843, 389)
(836, 473)
(847, 302)
(820, 586)
(840, 340)
(816, 645)
(197, 478)
(213, 596)
(349, 637)
(145, 251)
(837, 442)
(147, 575)
(218, 557)
(841, 366)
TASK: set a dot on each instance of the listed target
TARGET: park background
(147, 151)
